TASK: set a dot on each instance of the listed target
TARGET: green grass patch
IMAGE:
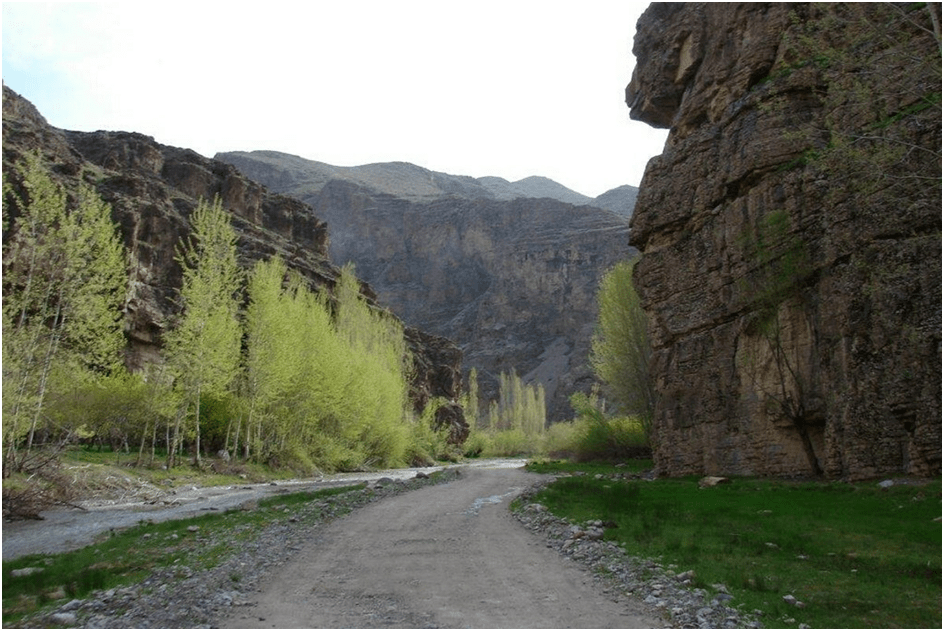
(91, 464)
(857, 555)
(128, 556)
(588, 468)
(303, 497)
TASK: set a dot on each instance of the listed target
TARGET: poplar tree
(65, 276)
(620, 348)
(380, 371)
(520, 406)
(470, 401)
(203, 348)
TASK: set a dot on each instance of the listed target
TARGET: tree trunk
(141, 448)
(196, 457)
(47, 366)
(153, 444)
(239, 421)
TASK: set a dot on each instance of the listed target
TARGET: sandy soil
(442, 556)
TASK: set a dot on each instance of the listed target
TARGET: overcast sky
(511, 88)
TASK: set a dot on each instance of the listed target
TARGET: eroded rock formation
(512, 281)
(152, 190)
(791, 236)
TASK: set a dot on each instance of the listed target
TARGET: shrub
(560, 440)
(611, 439)
(511, 442)
(598, 437)
(476, 444)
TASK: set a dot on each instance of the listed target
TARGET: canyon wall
(791, 237)
(512, 278)
(153, 189)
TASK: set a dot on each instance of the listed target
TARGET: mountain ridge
(512, 281)
(415, 182)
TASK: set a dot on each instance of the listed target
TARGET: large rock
(791, 237)
(510, 276)
(153, 189)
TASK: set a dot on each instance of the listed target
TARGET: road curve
(442, 556)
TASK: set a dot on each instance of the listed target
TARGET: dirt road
(61, 530)
(442, 556)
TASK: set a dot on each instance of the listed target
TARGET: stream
(62, 530)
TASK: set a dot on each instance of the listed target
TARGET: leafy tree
(322, 391)
(382, 366)
(521, 406)
(203, 349)
(470, 400)
(65, 275)
(620, 348)
(270, 369)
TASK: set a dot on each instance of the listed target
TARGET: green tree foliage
(65, 276)
(598, 436)
(516, 421)
(274, 357)
(380, 371)
(319, 391)
(203, 349)
(620, 348)
(470, 400)
(520, 406)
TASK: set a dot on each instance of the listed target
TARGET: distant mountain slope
(534, 186)
(301, 177)
(401, 179)
(620, 200)
(502, 268)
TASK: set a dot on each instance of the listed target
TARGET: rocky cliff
(152, 190)
(511, 277)
(791, 236)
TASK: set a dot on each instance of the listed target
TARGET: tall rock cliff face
(153, 189)
(513, 281)
(791, 236)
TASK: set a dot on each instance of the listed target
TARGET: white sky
(511, 88)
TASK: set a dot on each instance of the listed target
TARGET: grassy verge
(82, 462)
(128, 556)
(855, 555)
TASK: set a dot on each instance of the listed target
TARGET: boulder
(712, 480)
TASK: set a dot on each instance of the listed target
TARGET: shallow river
(68, 529)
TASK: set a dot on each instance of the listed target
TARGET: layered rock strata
(512, 281)
(791, 237)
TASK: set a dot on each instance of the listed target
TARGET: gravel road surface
(442, 556)
(62, 530)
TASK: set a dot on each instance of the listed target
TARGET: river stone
(712, 480)
(65, 619)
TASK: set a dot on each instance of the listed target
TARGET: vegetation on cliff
(255, 366)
